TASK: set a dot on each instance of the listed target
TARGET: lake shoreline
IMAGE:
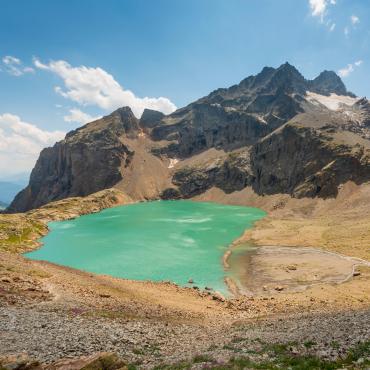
(193, 231)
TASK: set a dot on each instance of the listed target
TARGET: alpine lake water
(160, 240)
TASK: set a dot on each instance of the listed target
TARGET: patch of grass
(361, 351)
(18, 233)
(201, 358)
(280, 357)
(276, 349)
(334, 344)
(309, 344)
(38, 273)
(138, 351)
(237, 340)
(230, 347)
(131, 367)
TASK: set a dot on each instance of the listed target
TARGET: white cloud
(11, 60)
(14, 66)
(319, 7)
(332, 27)
(355, 19)
(95, 86)
(76, 115)
(346, 71)
(21, 143)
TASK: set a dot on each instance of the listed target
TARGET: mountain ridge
(245, 127)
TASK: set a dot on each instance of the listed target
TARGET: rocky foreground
(53, 317)
(316, 339)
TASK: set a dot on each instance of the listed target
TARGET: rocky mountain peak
(287, 79)
(124, 113)
(125, 117)
(269, 80)
(328, 82)
(289, 68)
(150, 118)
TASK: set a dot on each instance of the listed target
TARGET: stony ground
(49, 312)
(49, 335)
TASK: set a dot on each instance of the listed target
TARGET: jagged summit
(150, 118)
(271, 97)
(328, 82)
(284, 79)
(124, 112)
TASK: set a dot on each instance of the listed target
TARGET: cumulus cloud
(14, 66)
(355, 19)
(346, 71)
(319, 7)
(76, 115)
(21, 143)
(94, 86)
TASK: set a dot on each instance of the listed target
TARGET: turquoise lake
(161, 240)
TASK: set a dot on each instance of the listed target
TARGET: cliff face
(306, 162)
(229, 174)
(86, 161)
(275, 132)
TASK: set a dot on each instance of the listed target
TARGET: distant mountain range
(8, 190)
(275, 132)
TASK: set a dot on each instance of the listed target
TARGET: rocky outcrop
(304, 162)
(150, 118)
(328, 82)
(211, 126)
(230, 174)
(87, 160)
(363, 107)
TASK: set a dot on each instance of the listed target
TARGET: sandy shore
(266, 268)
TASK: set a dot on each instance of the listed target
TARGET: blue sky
(65, 62)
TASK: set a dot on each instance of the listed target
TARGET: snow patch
(173, 162)
(333, 102)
